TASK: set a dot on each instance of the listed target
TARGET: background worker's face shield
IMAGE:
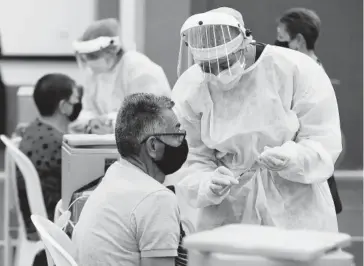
(100, 55)
(216, 42)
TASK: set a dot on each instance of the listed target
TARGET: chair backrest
(30, 175)
(57, 243)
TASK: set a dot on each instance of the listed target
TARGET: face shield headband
(95, 45)
(218, 51)
(209, 47)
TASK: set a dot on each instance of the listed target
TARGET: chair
(58, 211)
(57, 243)
(26, 250)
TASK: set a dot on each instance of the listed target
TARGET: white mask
(228, 78)
(230, 75)
(100, 65)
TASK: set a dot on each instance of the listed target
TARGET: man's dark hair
(50, 90)
(139, 117)
(302, 21)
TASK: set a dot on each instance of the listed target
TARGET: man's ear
(301, 40)
(151, 147)
(62, 106)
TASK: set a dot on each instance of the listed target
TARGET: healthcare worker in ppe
(112, 69)
(299, 29)
(263, 129)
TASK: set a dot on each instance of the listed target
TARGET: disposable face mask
(227, 80)
(173, 158)
(281, 44)
(230, 76)
(100, 65)
(77, 107)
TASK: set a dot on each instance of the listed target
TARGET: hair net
(230, 11)
(212, 37)
(101, 28)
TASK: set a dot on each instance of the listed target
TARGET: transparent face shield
(215, 42)
(98, 55)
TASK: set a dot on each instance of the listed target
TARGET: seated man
(131, 218)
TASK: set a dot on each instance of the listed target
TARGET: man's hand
(221, 180)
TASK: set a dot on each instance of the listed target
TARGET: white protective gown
(105, 92)
(285, 98)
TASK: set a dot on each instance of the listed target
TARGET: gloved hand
(99, 126)
(221, 180)
(274, 159)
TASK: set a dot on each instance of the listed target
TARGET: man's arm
(158, 261)
(156, 220)
(318, 142)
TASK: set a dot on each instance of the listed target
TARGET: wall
(108, 9)
(42, 27)
(163, 21)
(25, 64)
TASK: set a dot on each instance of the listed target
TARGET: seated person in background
(132, 219)
(112, 69)
(57, 98)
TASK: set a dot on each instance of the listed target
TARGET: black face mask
(281, 44)
(173, 158)
(77, 107)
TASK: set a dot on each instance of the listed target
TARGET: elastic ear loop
(69, 207)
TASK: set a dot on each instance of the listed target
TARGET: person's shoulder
(133, 58)
(131, 180)
(188, 84)
(151, 189)
(39, 131)
(287, 59)
(161, 199)
(52, 135)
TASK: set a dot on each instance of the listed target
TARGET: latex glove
(105, 119)
(221, 180)
(99, 126)
(77, 128)
(274, 159)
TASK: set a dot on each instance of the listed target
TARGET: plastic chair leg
(26, 253)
